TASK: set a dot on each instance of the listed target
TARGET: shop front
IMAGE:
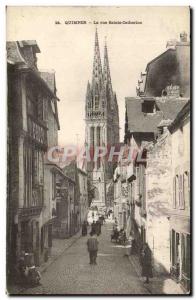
(180, 250)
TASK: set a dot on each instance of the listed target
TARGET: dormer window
(149, 107)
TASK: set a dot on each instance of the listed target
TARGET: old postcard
(98, 150)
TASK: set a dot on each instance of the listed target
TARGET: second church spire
(97, 79)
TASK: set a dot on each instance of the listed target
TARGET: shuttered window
(188, 179)
(181, 191)
(174, 192)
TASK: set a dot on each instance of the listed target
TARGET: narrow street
(71, 273)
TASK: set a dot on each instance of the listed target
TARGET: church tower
(102, 124)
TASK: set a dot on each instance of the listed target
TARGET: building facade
(29, 102)
(180, 205)
(71, 171)
(83, 195)
(52, 122)
(63, 216)
(157, 130)
(102, 124)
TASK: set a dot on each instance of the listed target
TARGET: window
(173, 247)
(98, 136)
(186, 189)
(148, 107)
(96, 102)
(53, 186)
(185, 254)
(177, 191)
(92, 136)
(40, 109)
(180, 183)
(31, 107)
(181, 192)
(174, 192)
(45, 109)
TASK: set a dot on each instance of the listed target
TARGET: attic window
(148, 107)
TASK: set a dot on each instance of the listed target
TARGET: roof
(171, 107)
(46, 78)
(13, 54)
(170, 67)
(59, 170)
(31, 43)
(49, 78)
(180, 116)
(140, 122)
(158, 57)
(137, 120)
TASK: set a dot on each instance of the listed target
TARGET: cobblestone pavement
(71, 273)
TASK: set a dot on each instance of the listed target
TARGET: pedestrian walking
(146, 260)
(93, 227)
(92, 245)
(98, 228)
(84, 228)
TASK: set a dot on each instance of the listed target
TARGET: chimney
(183, 36)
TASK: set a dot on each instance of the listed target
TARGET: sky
(69, 48)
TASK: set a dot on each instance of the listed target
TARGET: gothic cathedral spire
(97, 78)
(102, 125)
(107, 79)
(106, 68)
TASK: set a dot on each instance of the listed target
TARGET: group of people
(95, 227)
(119, 235)
(92, 242)
(144, 252)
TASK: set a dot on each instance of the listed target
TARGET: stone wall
(159, 180)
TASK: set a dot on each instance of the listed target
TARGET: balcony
(37, 131)
(95, 115)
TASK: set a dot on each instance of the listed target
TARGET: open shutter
(181, 192)
(174, 192)
(189, 199)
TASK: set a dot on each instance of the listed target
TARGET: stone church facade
(102, 125)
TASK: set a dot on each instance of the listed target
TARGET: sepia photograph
(98, 150)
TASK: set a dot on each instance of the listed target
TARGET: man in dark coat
(84, 228)
(98, 227)
(146, 260)
(93, 227)
(92, 245)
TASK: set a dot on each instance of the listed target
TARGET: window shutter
(174, 192)
(181, 192)
(188, 179)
